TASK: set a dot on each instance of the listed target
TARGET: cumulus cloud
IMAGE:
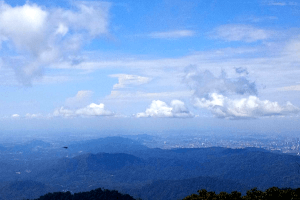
(42, 36)
(161, 109)
(250, 107)
(126, 80)
(213, 93)
(172, 34)
(205, 83)
(93, 110)
(80, 98)
(237, 32)
(90, 110)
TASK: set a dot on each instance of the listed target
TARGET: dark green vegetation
(269, 194)
(97, 194)
(34, 169)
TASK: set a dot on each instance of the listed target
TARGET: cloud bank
(90, 110)
(159, 108)
(250, 107)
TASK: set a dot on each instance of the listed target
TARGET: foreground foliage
(269, 194)
(97, 194)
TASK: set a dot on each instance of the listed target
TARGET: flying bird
(65, 147)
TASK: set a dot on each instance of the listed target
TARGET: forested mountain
(178, 189)
(268, 194)
(97, 194)
(127, 166)
(25, 189)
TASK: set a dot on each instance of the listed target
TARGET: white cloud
(90, 110)
(25, 25)
(237, 32)
(129, 80)
(161, 109)
(63, 112)
(90, 16)
(250, 107)
(204, 83)
(266, 64)
(172, 34)
(125, 95)
(291, 51)
(291, 88)
(15, 116)
(33, 116)
(80, 98)
(42, 36)
(62, 29)
(213, 93)
(94, 110)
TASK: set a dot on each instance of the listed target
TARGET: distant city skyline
(150, 65)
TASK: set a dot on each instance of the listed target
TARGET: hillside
(145, 172)
(97, 194)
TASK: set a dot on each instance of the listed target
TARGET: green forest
(269, 194)
(97, 194)
(103, 194)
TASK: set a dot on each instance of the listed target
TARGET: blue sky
(149, 64)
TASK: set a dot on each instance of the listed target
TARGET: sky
(150, 65)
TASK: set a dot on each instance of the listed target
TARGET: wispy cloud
(239, 32)
(132, 96)
(33, 116)
(259, 19)
(290, 88)
(127, 80)
(172, 34)
(282, 3)
(277, 4)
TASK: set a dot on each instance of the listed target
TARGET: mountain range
(128, 166)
